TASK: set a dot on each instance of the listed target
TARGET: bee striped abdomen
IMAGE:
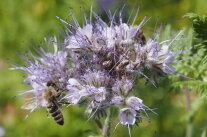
(55, 113)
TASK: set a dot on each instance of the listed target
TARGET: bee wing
(29, 105)
(29, 113)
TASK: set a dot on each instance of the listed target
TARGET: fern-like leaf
(201, 86)
(199, 25)
(200, 29)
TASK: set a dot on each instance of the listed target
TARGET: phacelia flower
(98, 66)
(122, 87)
(135, 103)
(127, 116)
(40, 70)
(159, 56)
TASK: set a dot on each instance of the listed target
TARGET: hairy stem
(107, 125)
(189, 129)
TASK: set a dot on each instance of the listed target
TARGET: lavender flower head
(40, 70)
(97, 66)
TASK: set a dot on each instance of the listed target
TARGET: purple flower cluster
(98, 65)
(107, 59)
(39, 70)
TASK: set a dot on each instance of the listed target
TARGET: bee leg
(64, 103)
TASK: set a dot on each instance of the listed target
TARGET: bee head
(51, 84)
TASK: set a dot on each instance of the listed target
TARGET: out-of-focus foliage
(23, 23)
(195, 66)
(199, 25)
(200, 29)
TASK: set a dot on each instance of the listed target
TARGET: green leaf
(200, 30)
(201, 86)
(199, 25)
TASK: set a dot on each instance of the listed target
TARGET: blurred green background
(24, 23)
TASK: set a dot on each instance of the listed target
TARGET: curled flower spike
(160, 56)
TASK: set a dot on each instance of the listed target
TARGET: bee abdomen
(51, 107)
(60, 121)
(56, 113)
(59, 118)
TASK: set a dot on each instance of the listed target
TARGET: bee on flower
(47, 76)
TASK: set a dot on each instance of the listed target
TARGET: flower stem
(189, 129)
(107, 125)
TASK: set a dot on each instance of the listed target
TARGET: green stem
(107, 125)
(189, 129)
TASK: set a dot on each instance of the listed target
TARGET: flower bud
(134, 102)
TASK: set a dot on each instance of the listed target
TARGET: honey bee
(52, 94)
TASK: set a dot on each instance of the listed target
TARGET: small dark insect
(140, 38)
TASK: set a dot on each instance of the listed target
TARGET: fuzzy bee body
(52, 95)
